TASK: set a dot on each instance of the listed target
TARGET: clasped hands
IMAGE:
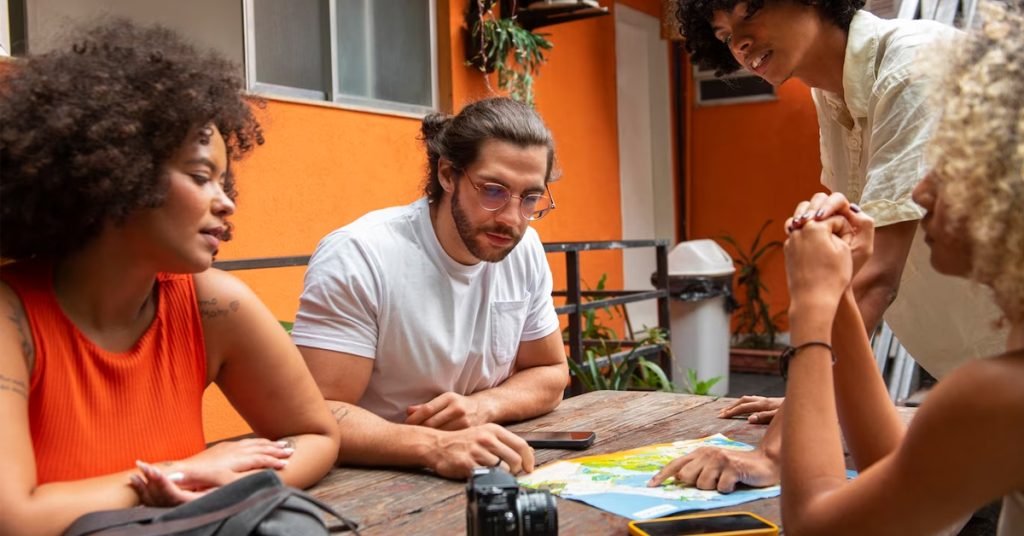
(829, 241)
(468, 437)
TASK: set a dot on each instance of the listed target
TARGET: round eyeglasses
(493, 197)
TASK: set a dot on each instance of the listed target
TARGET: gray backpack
(258, 504)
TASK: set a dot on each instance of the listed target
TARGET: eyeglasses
(493, 197)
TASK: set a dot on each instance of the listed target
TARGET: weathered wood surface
(415, 502)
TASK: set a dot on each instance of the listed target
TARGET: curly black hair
(707, 52)
(85, 130)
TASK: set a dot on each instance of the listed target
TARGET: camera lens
(496, 506)
(538, 513)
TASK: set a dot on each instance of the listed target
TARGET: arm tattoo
(339, 413)
(210, 309)
(28, 351)
(15, 386)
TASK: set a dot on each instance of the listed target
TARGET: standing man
(874, 118)
(424, 325)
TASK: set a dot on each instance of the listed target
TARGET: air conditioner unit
(736, 88)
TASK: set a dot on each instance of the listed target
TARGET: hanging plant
(501, 45)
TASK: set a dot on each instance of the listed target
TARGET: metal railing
(597, 299)
(577, 300)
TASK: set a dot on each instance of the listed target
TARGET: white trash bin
(700, 285)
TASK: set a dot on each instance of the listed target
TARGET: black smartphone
(558, 440)
(722, 524)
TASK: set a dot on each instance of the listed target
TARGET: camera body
(496, 506)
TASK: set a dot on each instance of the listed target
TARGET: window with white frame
(363, 53)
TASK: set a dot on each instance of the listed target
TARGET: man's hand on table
(447, 411)
(455, 454)
(712, 468)
(760, 410)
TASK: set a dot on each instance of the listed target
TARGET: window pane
(384, 50)
(290, 43)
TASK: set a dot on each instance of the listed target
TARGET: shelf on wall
(540, 13)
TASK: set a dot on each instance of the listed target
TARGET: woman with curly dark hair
(116, 189)
(874, 120)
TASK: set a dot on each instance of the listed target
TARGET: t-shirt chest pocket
(507, 320)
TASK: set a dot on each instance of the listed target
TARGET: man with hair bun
(426, 325)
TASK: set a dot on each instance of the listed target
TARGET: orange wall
(324, 167)
(748, 163)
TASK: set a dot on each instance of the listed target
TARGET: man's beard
(472, 236)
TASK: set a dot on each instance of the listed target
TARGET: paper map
(617, 482)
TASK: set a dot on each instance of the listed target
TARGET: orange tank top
(94, 412)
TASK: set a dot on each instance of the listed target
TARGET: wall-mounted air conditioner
(736, 88)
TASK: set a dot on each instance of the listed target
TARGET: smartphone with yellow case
(717, 524)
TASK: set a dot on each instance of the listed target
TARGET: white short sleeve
(340, 302)
(541, 319)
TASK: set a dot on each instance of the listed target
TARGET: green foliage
(699, 387)
(592, 327)
(286, 325)
(514, 52)
(629, 372)
(756, 326)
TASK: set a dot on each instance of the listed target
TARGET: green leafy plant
(602, 342)
(699, 387)
(286, 325)
(756, 326)
(629, 373)
(503, 46)
(592, 327)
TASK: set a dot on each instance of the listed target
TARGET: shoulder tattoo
(28, 351)
(17, 387)
(210, 308)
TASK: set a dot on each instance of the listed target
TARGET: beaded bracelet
(791, 351)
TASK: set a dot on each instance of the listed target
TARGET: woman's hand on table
(176, 482)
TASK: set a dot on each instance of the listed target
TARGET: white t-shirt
(872, 143)
(384, 289)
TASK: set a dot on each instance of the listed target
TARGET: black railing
(574, 295)
(597, 299)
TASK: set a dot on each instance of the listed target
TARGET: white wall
(645, 149)
(5, 30)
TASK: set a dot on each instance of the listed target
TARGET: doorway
(645, 145)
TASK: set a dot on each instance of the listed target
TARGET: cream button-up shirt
(872, 143)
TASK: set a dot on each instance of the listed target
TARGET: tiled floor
(756, 384)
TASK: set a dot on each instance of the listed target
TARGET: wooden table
(410, 502)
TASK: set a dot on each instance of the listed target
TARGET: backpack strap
(348, 523)
(106, 519)
(241, 505)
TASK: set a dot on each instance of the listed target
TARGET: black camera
(495, 505)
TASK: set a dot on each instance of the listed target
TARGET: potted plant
(500, 44)
(754, 345)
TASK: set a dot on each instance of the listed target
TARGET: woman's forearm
(812, 451)
(51, 508)
(871, 426)
(314, 456)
